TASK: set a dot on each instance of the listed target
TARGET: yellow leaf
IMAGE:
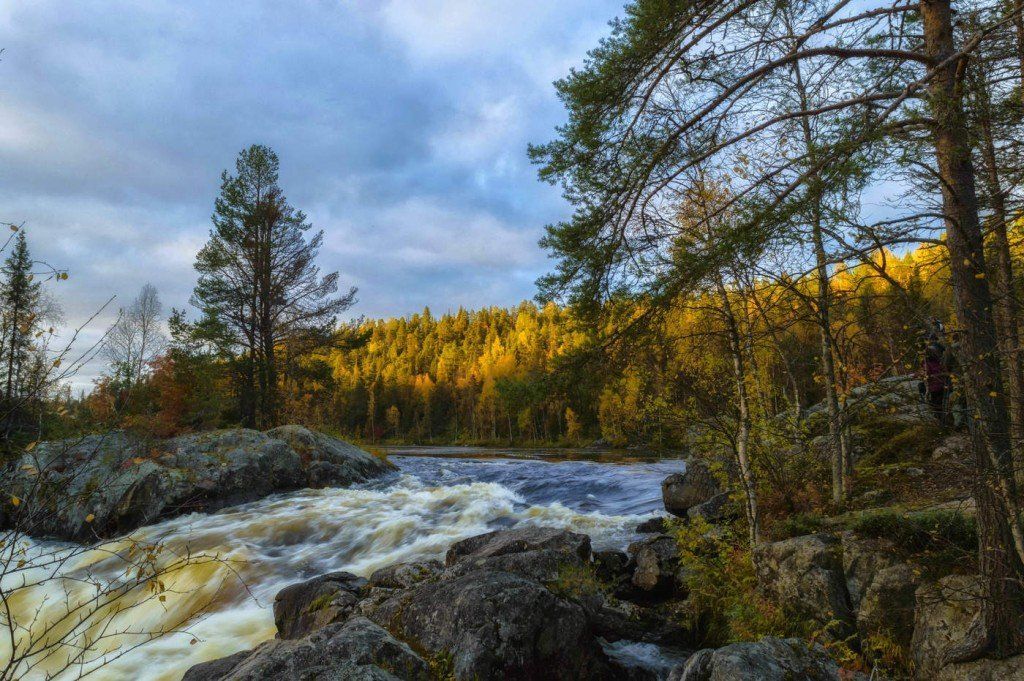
(89, 518)
(979, 275)
(31, 445)
(162, 598)
(14, 228)
(993, 394)
(138, 460)
(56, 363)
(15, 501)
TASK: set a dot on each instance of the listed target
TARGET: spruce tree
(19, 313)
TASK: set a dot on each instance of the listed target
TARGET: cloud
(401, 126)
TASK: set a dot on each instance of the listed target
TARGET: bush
(724, 603)
(797, 526)
(939, 540)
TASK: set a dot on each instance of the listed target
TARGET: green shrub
(576, 581)
(941, 541)
(797, 525)
(724, 604)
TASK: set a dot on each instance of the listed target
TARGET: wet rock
(655, 525)
(717, 509)
(683, 491)
(496, 625)
(114, 483)
(612, 567)
(947, 620)
(805, 575)
(984, 670)
(538, 553)
(770, 659)
(302, 608)
(356, 650)
(657, 564)
(405, 575)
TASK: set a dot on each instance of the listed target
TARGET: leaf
(89, 518)
(56, 363)
(193, 642)
(15, 501)
(31, 445)
(14, 228)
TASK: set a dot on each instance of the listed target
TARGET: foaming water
(415, 514)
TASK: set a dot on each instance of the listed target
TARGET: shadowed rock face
(466, 621)
(105, 485)
(770, 659)
(683, 491)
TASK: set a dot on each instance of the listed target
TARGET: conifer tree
(259, 283)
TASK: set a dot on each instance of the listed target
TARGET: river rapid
(437, 497)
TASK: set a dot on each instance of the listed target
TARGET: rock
(1010, 669)
(215, 669)
(519, 540)
(538, 553)
(887, 606)
(805, 576)
(612, 567)
(683, 491)
(955, 447)
(496, 625)
(657, 563)
(302, 608)
(862, 559)
(874, 497)
(947, 619)
(717, 509)
(913, 472)
(356, 650)
(654, 525)
(770, 659)
(114, 483)
(405, 575)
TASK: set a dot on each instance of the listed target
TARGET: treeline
(536, 373)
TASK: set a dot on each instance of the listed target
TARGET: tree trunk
(1006, 312)
(1001, 544)
(743, 422)
(823, 318)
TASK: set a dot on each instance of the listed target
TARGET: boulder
(947, 620)
(612, 567)
(655, 525)
(1012, 668)
(538, 553)
(683, 491)
(954, 448)
(357, 650)
(805, 576)
(113, 483)
(657, 565)
(495, 625)
(405, 575)
(301, 609)
(881, 588)
(717, 509)
(770, 659)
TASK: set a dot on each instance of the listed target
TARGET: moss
(892, 442)
(797, 526)
(442, 666)
(320, 602)
(576, 581)
(940, 541)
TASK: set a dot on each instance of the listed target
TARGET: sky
(401, 127)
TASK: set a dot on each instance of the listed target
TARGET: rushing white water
(413, 515)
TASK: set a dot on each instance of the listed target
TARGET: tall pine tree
(19, 319)
(259, 284)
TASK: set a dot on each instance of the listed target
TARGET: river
(438, 496)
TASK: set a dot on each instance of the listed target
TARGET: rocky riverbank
(539, 603)
(106, 485)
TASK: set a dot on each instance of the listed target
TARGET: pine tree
(259, 284)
